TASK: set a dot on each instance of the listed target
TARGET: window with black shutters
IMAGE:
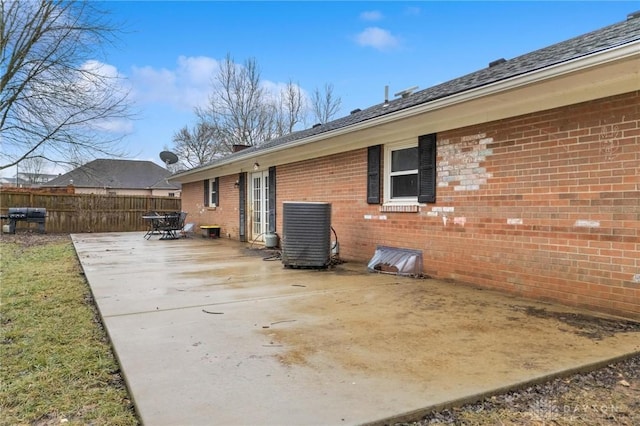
(410, 171)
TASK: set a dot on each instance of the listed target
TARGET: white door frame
(259, 205)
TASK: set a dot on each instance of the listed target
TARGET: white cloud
(197, 70)
(184, 87)
(99, 68)
(377, 38)
(372, 15)
(119, 126)
(273, 91)
(102, 80)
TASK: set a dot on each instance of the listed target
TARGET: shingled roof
(116, 174)
(600, 40)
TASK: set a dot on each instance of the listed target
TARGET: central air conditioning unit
(306, 234)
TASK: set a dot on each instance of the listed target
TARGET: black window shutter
(242, 210)
(373, 174)
(272, 200)
(206, 192)
(216, 197)
(427, 170)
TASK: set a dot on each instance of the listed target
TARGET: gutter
(614, 54)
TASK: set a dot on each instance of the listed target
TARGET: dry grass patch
(57, 362)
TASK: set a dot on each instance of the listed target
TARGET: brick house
(118, 177)
(523, 176)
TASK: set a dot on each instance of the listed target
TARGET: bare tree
(290, 107)
(243, 111)
(55, 97)
(238, 107)
(31, 169)
(197, 146)
(325, 105)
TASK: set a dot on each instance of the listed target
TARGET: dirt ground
(607, 396)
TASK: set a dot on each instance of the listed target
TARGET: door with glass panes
(259, 205)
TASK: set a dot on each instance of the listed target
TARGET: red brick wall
(342, 181)
(545, 205)
(225, 214)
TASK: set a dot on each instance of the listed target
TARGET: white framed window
(213, 192)
(401, 173)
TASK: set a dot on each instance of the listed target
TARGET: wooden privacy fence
(78, 213)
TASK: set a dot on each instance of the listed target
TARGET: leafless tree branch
(196, 146)
(241, 111)
(325, 105)
(56, 98)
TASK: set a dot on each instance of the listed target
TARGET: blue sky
(169, 51)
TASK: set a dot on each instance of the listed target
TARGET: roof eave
(243, 161)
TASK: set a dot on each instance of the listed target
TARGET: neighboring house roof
(601, 40)
(163, 183)
(116, 174)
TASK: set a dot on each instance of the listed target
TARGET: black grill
(26, 214)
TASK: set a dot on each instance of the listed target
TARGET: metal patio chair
(173, 223)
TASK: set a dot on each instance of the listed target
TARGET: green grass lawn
(56, 361)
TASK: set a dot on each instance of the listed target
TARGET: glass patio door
(259, 205)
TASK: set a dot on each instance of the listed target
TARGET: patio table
(154, 221)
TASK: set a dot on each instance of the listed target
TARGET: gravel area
(607, 396)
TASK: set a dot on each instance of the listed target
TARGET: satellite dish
(168, 157)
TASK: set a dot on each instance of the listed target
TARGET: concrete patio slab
(207, 332)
